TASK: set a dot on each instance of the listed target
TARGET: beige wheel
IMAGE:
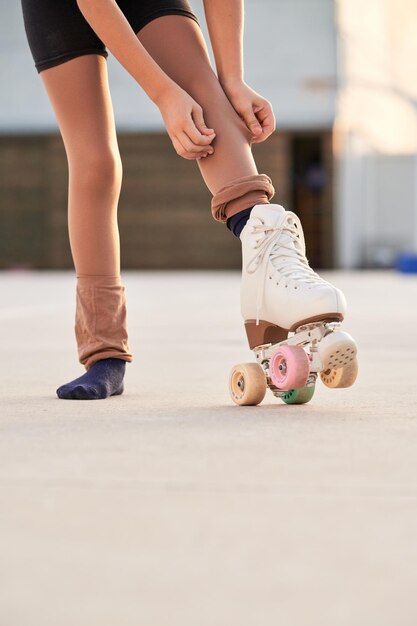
(247, 384)
(342, 376)
(336, 350)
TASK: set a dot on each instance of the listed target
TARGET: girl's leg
(79, 93)
(178, 46)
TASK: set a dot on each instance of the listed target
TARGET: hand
(184, 121)
(255, 110)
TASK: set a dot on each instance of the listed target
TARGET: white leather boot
(279, 290)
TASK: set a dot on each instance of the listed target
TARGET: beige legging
(79, 93)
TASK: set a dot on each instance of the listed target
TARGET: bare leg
(178, 46)
(78, 91)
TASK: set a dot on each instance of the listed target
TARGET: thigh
(79, 93)
(140, 12)
(57, 31)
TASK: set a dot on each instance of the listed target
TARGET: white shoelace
(284, 245)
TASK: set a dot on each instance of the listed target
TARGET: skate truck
(289, 363)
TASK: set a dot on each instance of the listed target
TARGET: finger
(192, 147)
(266, 118)
(182, 152)
(267, 130)
(195, 135)
(198, 119)
(251, 121)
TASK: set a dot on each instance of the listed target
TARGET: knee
(98, 167)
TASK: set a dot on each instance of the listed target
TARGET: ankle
(237, 222)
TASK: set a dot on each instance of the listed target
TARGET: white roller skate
(292, 316)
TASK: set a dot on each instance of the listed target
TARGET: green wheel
(298, 396)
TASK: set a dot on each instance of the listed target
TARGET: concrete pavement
(169, 505)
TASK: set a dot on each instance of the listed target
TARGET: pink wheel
(289, 367)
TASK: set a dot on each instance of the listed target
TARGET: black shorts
(57, 31)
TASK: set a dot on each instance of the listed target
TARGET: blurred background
(342, 79)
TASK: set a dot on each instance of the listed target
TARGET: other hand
(255, 110)
(184, 121)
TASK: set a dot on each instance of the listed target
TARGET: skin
(225, 19)
(183, 116)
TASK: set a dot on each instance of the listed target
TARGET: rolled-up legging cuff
(241, 194)
(101, 319)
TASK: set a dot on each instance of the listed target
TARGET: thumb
(252, 122)
(200, 123)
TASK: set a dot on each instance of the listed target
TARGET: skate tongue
(271, 214)
(274, 216)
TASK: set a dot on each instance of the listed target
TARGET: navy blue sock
(103, 379)
(237, 222)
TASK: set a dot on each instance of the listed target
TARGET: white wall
(391, 222)
(288, 44)
(376, 130)
(377, 215)
(378, 72)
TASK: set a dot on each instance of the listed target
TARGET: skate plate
(290, 367)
